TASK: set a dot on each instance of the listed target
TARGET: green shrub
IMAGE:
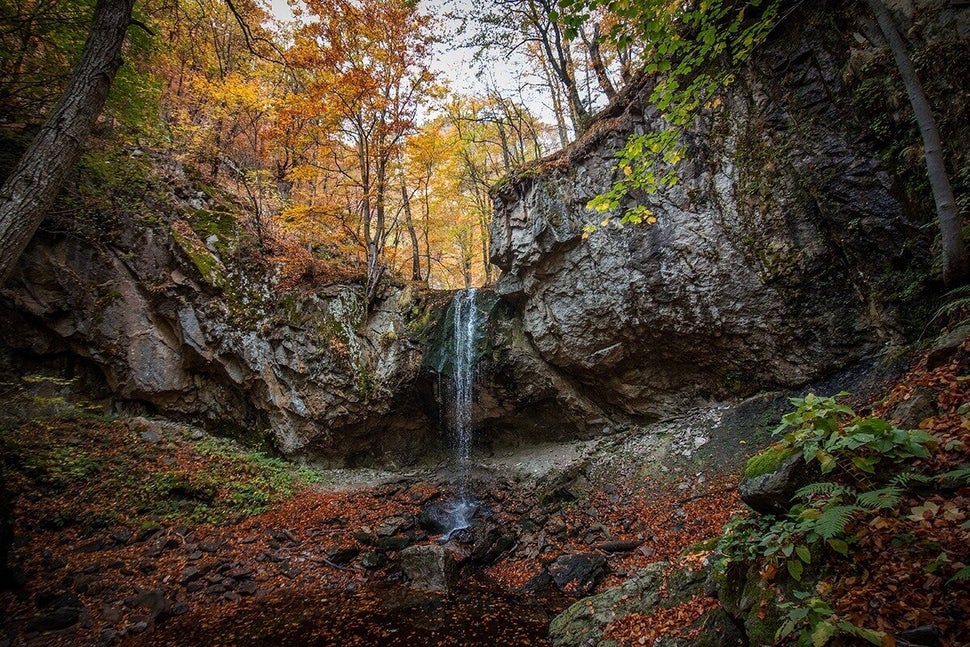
(825, 431)
(822, 430)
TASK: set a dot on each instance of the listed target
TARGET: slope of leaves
(904, 562)
(82, 475)
(655, 520)
(894, 555)
(243, 552)
(672, 622)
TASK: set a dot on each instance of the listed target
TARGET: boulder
(577, 574)
(583, 623)
(922, 636)
(441, 517)
(946, 347)
(428, 567)
(771, 493)
(391, 526)
(56, 619)
(490, 545)
(919, 406)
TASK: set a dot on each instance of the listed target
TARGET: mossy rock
(221, 224)
(208, 264)
(440, 335)
(767, 461)
(583, 622)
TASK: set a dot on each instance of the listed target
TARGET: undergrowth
(869, 476)
(107, 474)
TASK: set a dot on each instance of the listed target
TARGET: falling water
(461, 390)
(463, 376)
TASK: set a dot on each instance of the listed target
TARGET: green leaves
(839, 546)
(692, 48)
(819, 624)
(822, 633)
(826, 431)
(795, 569)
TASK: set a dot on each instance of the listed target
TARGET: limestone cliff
(162, 296)
(783, 254)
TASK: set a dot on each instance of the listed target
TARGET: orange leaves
(904, 559)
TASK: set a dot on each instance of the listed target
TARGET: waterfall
(461, 390)
(463, 384)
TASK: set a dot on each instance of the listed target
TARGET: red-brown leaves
(673, 622)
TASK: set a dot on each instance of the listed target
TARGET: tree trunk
(596, 60)
(427, 221)
(409, 223)
(955, 262)
(29, 191)
(557, 109)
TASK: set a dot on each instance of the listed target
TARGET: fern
(961, 475)
(906, 479)
(887, 497)
(956, 301)
(960, 576)
(826, 488)
(833, 521)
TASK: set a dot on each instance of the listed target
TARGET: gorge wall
(786, 252)
(163, 299)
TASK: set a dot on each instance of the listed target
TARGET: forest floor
(133, 531)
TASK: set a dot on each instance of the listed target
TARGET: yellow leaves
(302, 172)
(768, 572)
(952, 513)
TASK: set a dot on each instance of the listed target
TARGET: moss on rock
(767, 461)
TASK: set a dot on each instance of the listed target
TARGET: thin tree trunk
(483, 224)
(29, 191)
(557, 109)
(427, 222)
(504, 140)
(955, 263)
(409, 223)
(596, 60)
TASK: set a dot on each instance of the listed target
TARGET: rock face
(771, 262)
(518, 396)
(173, 314)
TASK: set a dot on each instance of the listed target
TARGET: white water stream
(465, 334)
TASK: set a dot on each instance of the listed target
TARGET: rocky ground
(143, 532)
(136, 531)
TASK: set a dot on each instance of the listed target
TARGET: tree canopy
(341, 134)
